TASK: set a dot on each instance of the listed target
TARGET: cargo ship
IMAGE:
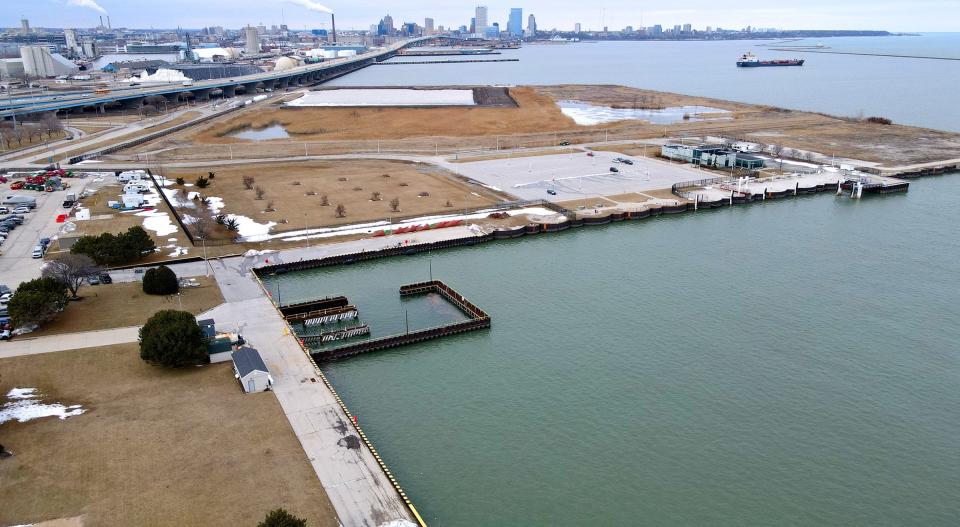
(748, 60)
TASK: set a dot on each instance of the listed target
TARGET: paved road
(359, 490)
(68, 341)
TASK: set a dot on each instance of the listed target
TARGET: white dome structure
(286, 63)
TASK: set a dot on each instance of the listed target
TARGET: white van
(38, 251)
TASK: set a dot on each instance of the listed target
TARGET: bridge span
(203, 90)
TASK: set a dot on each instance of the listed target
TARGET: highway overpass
(133, 97)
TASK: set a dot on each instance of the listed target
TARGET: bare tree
(201, 225)
(71, 270)
(324, 201)
(395, 204)
(260, 192)
(375, 196)
(270, 207)
(51, 124)
(341, 210)
(248, 182)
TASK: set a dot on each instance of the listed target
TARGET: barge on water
(749, 60)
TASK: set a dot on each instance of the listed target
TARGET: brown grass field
(156, 446)
(294, 206)
(535, 113)
(538, 122)
(120, 305)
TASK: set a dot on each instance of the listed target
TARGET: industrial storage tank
(286, 63)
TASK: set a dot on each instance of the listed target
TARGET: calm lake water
(787, 363)
(909, 91)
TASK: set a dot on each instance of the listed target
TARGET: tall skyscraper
(253, 40)
(481, 21)
(576, 27)
(388, 25)
(515, 22)
(24, 26)
(531, 26)
(688, 28)
(428, 26)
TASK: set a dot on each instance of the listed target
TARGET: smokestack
(108, 22)
(101, 20)
(333, 26)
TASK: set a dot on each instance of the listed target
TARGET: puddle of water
(274, 131)
(588, 114)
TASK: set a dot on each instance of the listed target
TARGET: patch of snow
(369, 228)
(25, 405)
(249, 228)
(385, 97)
(398, 523)
(158, 222)
(214, 204)
(178, 251)
(588, 114)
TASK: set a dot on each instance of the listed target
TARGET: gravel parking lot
(576, 175)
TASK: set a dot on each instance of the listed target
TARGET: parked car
(38, 251)
(552, 192)
(614, 169)
(4, 210)
(45, 242)
(21, 210)
(4, 298)
(626, 161)
(93, 280)
(564, 143)
(5, 335)
(105, 279)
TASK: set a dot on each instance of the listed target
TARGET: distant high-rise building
(473, 25)
(24, 26)
(628, 29)
(531, 26)
(709, 29)
(480, 25)
(576, 27)
(492, 31)
(515, 22)
(253, 40)
(428, 26)
(388, 25)
(70, 37)
(688, 28)
(657, 29)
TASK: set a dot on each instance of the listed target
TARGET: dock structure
(320, 317)
(312, 306)
(722, 191)
(477, 319)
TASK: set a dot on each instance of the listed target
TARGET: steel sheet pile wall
(479, 319)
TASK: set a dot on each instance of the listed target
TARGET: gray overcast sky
(892, 15)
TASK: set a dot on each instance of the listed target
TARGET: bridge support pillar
(229, 91)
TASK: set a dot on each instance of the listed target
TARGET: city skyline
(801, 14)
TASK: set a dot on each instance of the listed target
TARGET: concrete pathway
(358, 488)
(27, 345)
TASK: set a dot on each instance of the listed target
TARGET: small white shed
(250, 371)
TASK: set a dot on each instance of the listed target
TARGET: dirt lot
(120, 305)
(109, 142)
(292, 201)
(155, 447)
